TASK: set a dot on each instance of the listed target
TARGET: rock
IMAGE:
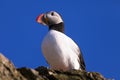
(69, 75)
(30, 74)
(9, 72)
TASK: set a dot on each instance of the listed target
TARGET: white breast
(60, 51)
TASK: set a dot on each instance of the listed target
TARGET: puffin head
(51, 19)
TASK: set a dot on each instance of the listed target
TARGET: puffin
(59, 50)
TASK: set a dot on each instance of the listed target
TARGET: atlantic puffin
(59, 50)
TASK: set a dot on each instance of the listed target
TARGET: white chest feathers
(60, 51)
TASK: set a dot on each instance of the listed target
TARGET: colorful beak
(39, 19)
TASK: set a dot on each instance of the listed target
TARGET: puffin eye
(52, 13)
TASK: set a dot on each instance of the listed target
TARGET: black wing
(81, 61)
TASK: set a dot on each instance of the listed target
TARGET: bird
(59, 50)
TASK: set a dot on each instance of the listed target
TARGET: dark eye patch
(52, 13)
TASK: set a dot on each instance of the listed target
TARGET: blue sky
(93, 24)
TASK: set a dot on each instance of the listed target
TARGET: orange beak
(39, 19)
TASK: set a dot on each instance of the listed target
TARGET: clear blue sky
(93, 24)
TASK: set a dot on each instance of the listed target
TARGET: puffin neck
(57, 27)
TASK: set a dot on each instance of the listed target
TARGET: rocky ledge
(9, 72)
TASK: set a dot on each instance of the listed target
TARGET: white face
(53, 18)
